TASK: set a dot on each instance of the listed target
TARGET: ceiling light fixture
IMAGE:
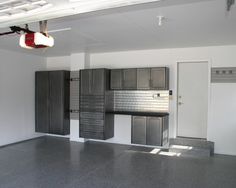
(21, 5)
(40, 8)
(39, 2)
(5, 10)
(6, 2)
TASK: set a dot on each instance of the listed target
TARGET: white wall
(222, 102)
(58, 63)
(17, 83)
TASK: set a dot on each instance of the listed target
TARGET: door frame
(209, 92)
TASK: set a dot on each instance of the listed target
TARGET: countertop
(158, 114)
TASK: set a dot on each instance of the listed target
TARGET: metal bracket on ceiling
(43, 27)
(230, 3)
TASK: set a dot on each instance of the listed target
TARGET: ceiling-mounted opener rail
(17, 30)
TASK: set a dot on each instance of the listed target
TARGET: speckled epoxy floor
(50, 162)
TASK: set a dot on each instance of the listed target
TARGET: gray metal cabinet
(92, 81)
(143, 78)
(154, 131)
(149, 130)
(52, 97)
(95, 122)
(140, 79)
(138, 130)
(56, 102)
(159, 78)
(129, 79)
(42, 102)
(85, 82)
(116, 79)
(98, 82)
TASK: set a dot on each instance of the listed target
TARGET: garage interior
(126, 93)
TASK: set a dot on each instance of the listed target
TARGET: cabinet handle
(74, 111)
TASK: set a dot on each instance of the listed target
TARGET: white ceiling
(187, 24)
(15, 12)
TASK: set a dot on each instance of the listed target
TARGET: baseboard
(21, 141)
(60, 136)
(82, 140)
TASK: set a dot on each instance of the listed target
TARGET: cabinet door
(98, 82)
(130, 79)
(138, 130)
(116, 79)
(56, 102)
(42, 102)
(154, 131)
(159, 79)
(85, 82)
(143, 78)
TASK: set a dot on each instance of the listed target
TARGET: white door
(192, 99)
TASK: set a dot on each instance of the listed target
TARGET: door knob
(180, 103)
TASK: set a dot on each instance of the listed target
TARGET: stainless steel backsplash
(141, 101)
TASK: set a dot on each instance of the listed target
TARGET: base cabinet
(139, 130)
(154, 131)
(149, 130)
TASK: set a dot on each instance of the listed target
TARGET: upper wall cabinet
(159, 78)
(116, 79)
(143, 78)
(129, 79)
(140, 79)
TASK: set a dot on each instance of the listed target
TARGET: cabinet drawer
(92, 103)
(92, 135)
(91, 122)
(91, 128)
(92, 115)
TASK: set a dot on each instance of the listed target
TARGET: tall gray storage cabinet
(95, 103)
(52, 102)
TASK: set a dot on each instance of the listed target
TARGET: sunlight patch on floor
(181, 147)
(155, 151)
(171, 154)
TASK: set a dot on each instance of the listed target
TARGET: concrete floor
(50, 162)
